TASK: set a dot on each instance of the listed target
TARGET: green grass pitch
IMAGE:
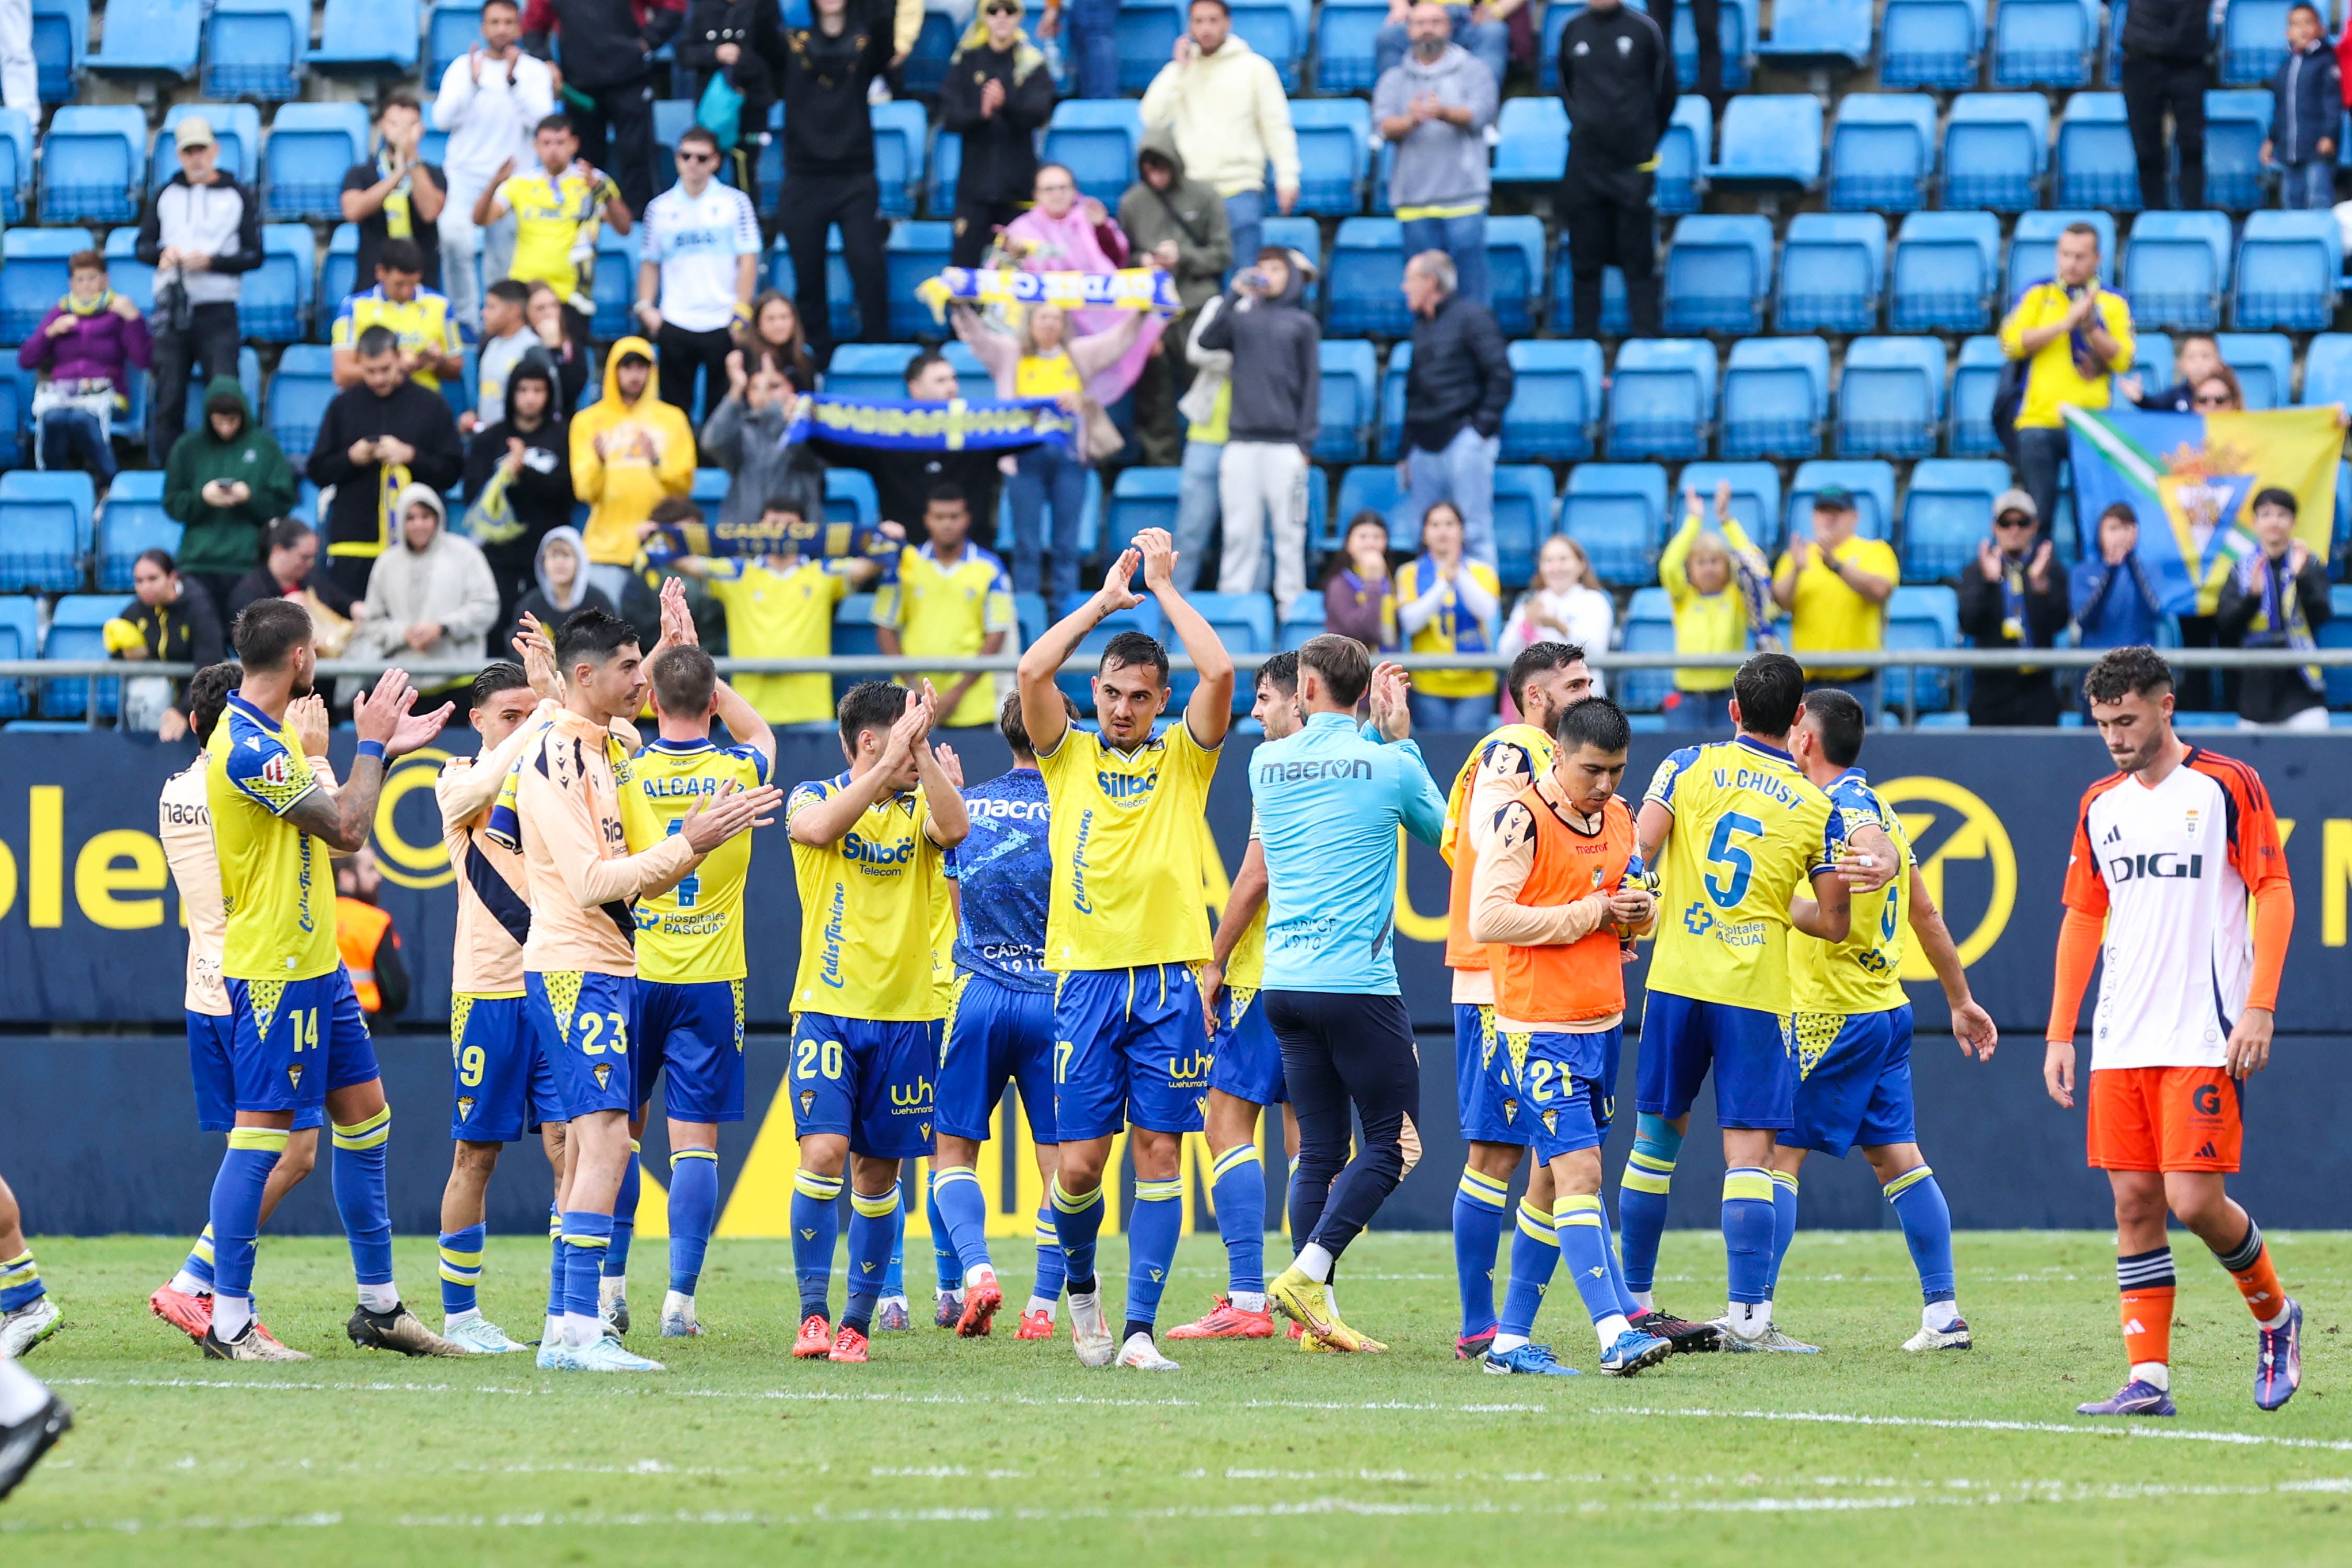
(998, 1452)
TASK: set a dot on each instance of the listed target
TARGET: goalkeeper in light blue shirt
(1329, 801)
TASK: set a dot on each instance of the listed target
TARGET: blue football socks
(1535, 1255)
(587, 1234)
(253, 1153)
(461, 1269)
(555, 1261)
(873, 1236)
(1642, 1193)
(365, 1208)
(624, 1216)
(894, 1269)
(20, 1282)
(816, 1226)
(1926, 1221)
(1053, 1270)
(1747, 1232)
(959, 1224)
(1784, 1226)
(1153, 1228)
(1077, 1221)
(1237, 1188)
(1584, 1248)
(693, 1210)
(1625, 1302)
(199, 1265)
(1480, 1203)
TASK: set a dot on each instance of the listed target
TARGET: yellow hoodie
(625, 457)
(1230, 118)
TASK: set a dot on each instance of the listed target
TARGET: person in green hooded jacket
(226, 482)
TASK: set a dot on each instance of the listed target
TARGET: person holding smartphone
(2072, 336)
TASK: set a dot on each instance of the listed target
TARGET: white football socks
(1645, 1299)
(580, 1330)
(1609, 1326)
(1254, 1301)
(380, 1297)
(1039, 1304)
(230, 1314)
(1315, 1261)
(978, 1274)
(2155, 1373)
(1939, 1316)
(1505, 1344)
(187, 1284)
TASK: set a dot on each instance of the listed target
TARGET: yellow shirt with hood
(1230, 116)
(623, 485)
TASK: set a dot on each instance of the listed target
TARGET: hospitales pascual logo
(1966, 861)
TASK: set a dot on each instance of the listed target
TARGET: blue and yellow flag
(2192, 479)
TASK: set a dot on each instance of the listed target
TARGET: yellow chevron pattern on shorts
(564, 996)
(461, 1007)
(264, 996)
(1811, 1036)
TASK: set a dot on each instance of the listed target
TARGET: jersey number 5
(1727, 884)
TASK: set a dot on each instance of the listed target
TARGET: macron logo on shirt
(1312, 769)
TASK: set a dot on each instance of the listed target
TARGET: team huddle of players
(1032, 930)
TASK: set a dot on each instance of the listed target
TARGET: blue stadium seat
(2328, 369)
(1244, 624)
(1883, 150)
(1776, 393)
(1649, 627)
(1363, 285)
(1523, 513)
(1688, 144)
(1832, 271)
(2288, 263)
(2265, 362)
(1335, 152)
(2254, 41)
(254, 48)
(1931, 43)
(1922, 618)
(945, 166)
(339, 275)
(2177, 268)
(1995, 148)
(131, 523)
(275, 302)
(614, 284)
(1372, 487)
(1944, 272)
(1533, 145)
(1891, 397)
(1274, 32)
(248, 380)
(850, 497)
(1351, 400)
(1661, 398)
(2338, 633)
(298, 395)
(236, 126)
(2096, 167)
(1618, 513)
(149, 38)
(75, 631)
(2033, 248)
(1771, 142)
(44, 530)
(2045, 43)
(1142, 498)
(1555, 404)
(900, 130)
(1147, 34)
(926, 63)
(19, 638)
(368, 37)
(2237, 124)
(1303, 621)
(125, 273)
(710, 488)
(841, 300)
(1718, 274)
(1819, 32)
(915, 252)
(1754, 496)
(1345, 57)
(34, 275)
(1734, 31)
(451, 28)
(15, 414)
(60, 44)
(1947, 513)
(1515, 272)
(1393, 381)
(310, 147)
(1869, 482)
(91, 161)
(673, 115)
(16, 165)
(1098, 139)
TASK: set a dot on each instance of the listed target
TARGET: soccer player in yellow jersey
(690, 965)
(1851, 1023)
(867, 847)
(400, 303)
(951, 597)
(297, 1040)
(1741, 831)
(1125, 927)
(556, 207)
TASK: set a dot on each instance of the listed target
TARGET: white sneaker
(678, 1321)
(1143, 1355)
(554, 1356)
(613, 1305)
(1774, 1340)
(606, 1356)
(27, 1326)
(479, 1336)
(1089, 1333)
(1954, 1338)
(1729, 1339)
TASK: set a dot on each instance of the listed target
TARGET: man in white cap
(201, 232)
(2014, 596)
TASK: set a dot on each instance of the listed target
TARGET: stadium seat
(1755, 498)
(1274, 32)
(1688, 144)
(2288, 263)
(1921, 618)
(1974, 380)
(1345, 57)
(1891, 397)
(131, 523)
(44, 530)
(1515, 272)
(253, 48)
(2033, 248)
(60, 44)
(1718, 274)
(1617, 511)
(298, 395)
(1393, 381)
(673, 115)
(710, 488)
(2176, 268)
(367, 37)
(1832, 271)
(1555, 400)
(1661, 398)
(1648, 627)
(1882, 148)
(1533, 145)
(946, 165)
(901, 129)
(248, 380)
(1771, 142)
(339, 275)
(451, 29)
(926, 63)
(1995, 146)
(1302, 623)
(1948, 514)
(1818, 32)
(2045, 43)
(149, 38)
(2254, 41)
(91, 162)
(914, 252)
(16, 165)
(1098, 139)
(1372, 487)
(614, 285)
(1931, 43)
(1871, 482)
(1244, 623)
(1523, 514)
(75, 631)
(1944, 272)
(1335, 153)
(2265, 362)
(1363, 286)
(850, 497)
(236, 126)
(1142, 498)
(33, 275)
(1776, 393)
(2096, 167)
(2237, 124)
(2338, 633)
(1735, 31)
(19, 639)
(1147, 34)
(2328, 369)
(841, 300)
(125, 273)
(310, 147)
(1352, 398)
(274, 304)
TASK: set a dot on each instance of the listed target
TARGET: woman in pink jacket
(1069, 233)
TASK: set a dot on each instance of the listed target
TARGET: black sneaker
(24, 1441)
(1686, 1337)
(397, 1330)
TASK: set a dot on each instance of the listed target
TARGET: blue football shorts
(870, 1082)
(504, 1084)
(995, 1035)
(1682, 1039)
(691, 1037)
(1132, 1047)
(1486, 1079)
(586, 1023)
(292, 1041)
(1249, 1058)
(1854, 1080)
(213, 1070)
(1567, 1081)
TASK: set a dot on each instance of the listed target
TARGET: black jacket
(1000, 149)
(411, 414)
(1617, 77)
(756, 28)
(823, 81)
(541, 494)
(2272, 696)
(2174, 30)
(258, 585)
(1277, 376)
(185, 631)
(604, 43)
(2307, 103)
(1460, 375)
(2179, 398)
(2014, 696)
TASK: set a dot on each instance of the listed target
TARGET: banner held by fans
(1130, 288)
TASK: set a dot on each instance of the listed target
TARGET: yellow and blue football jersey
(1127, 850)
(421, 322)
(276, 885)
(867, 920)
(694, 932)
(949, 610)
(1862, 974)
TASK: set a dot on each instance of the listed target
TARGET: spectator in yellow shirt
(951, 599)
(2073, 335)
(630, 451)
(780, 606)
(1701, 573)
(1835, 586)
(1447, 603)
